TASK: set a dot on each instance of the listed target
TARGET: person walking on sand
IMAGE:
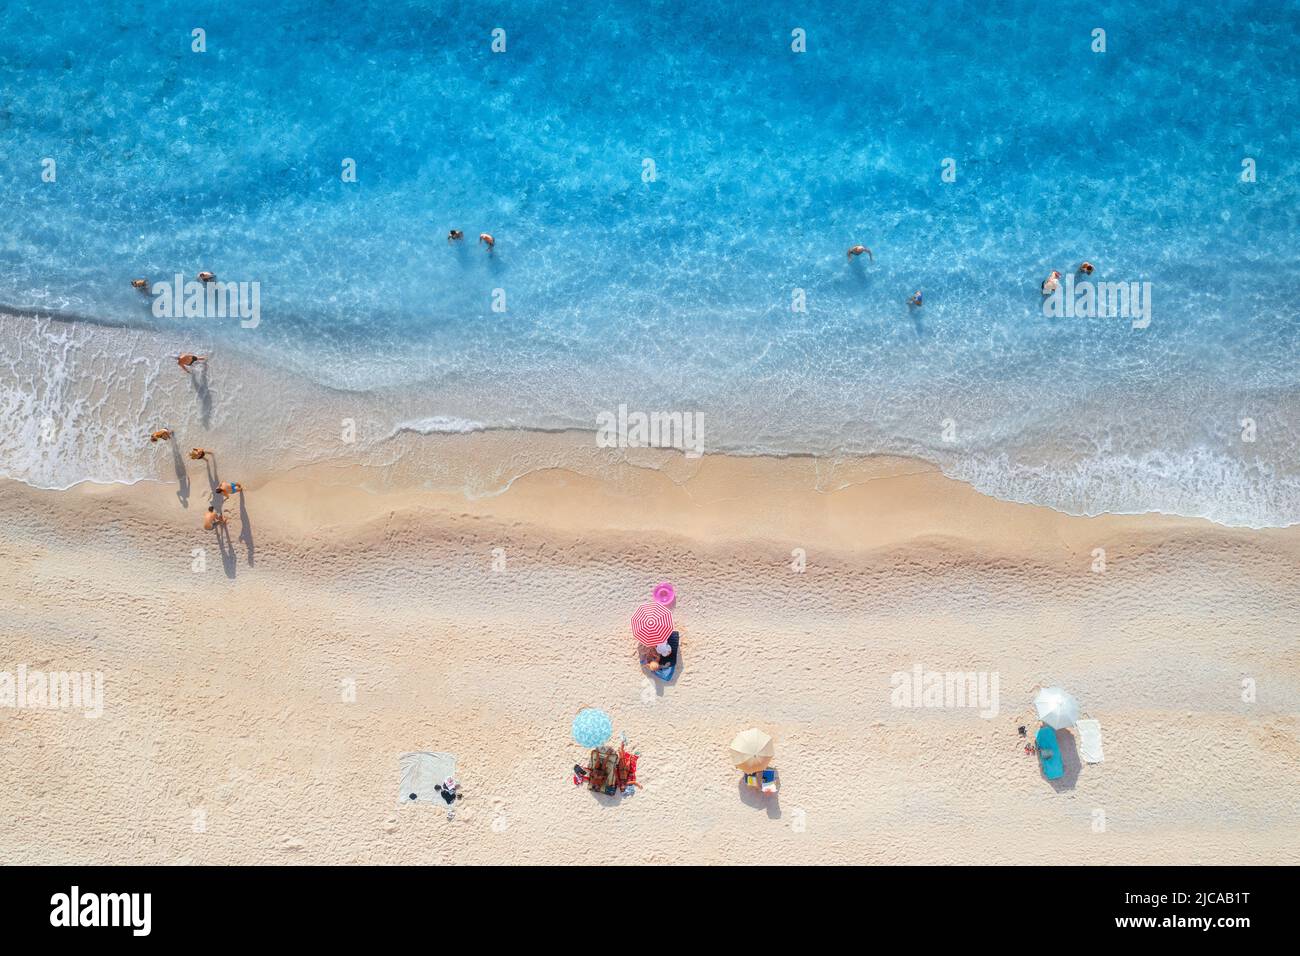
(1052, 283)
(198, 454)
(212, 519)
(188, 359)
(162, 434)
(230, 488)
(455, 235)
(486, 238)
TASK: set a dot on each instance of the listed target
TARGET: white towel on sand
(1089, 740)
(420, 772)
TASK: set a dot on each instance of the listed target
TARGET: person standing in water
(1052, 283)
(487, 239)
(1085, 269)
(162, 434)
(455, 236)
(859, 250)
(198, 454)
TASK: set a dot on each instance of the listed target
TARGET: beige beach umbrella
(752, 750)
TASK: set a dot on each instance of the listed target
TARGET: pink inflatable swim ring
(665, 594)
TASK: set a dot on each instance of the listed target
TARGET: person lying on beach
(161, 434)
(1052, 283)
(659, 657)
(858, 250)
(229, 488)
(212, 519)
(188, 359)
(141, 284)
(207, 276)
(485, 237)
(198, 454)
(1086, 268)
(455, 236)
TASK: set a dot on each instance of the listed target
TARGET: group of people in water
(916, 300)
(484, 238)
(1053, 281)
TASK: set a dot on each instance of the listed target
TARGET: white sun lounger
(420, 772)
(1089, 740)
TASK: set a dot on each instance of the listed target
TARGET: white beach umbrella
(1056, 708)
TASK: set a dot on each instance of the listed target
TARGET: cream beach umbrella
(1056, 708)
(752, 750)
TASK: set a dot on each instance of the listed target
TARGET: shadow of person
(182, 476)
(210, 465)
(753, 797)
(1070, 761)
(245, 528)
(858, 271)
(915, 314)
(199, 382)
(227, 549)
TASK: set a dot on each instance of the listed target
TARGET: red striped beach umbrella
(652, 623)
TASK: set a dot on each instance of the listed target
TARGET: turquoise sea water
(676, 294)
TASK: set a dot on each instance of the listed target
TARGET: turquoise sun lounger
(1049, 754)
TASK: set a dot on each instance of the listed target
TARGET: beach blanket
(421, 772)
(666, 670)
(1089, 740)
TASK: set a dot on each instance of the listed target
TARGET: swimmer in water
(915, 300)
(1086, 269)
(162, 434)
(1052, 283)
(487, 238)
(188, 359)
(207, 276)
(141, 284)
(455, 236)
(858, 250)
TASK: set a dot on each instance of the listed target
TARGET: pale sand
(223, 687)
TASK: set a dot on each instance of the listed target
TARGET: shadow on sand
(182, 476)
(199, 382)
(753, 797)
(1070, 760)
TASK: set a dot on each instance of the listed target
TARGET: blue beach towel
(1049, 753)
(666, 671)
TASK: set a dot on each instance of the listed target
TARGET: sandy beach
(257, 696)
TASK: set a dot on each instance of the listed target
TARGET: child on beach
(212, 519)
(162, 434)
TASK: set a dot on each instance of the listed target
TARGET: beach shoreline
(480, 625)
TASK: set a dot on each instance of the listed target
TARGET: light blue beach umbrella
(592, 727)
